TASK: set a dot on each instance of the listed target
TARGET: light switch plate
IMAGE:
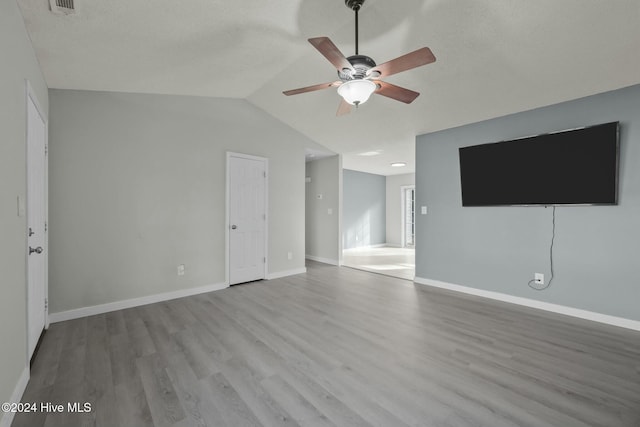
(423, 210)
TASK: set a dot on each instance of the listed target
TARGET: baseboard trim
(16, 397)
(378, 245)
(546, 306)
(134, 302)
(322, 260)
(393, 245)
(279, 274)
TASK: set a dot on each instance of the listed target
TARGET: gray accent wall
(322, 195)
(363, 209)
(137, 187)
(17, 64)
(500, 248)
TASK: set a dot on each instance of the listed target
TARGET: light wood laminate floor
(395, 262)
(337, 346)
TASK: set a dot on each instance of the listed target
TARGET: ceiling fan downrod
(355, 5)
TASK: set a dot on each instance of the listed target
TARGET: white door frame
(30, 95)
(403, 235)
(227, 223)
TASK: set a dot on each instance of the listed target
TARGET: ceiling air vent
(63, 7)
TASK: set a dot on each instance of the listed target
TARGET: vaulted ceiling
(493, 58)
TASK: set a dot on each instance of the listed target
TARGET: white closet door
(247, 219)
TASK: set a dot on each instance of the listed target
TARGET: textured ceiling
(493, 58)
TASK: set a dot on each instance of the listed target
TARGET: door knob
(37, 250)
(233, 227)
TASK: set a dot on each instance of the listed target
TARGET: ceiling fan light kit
(357, 92)
(360, 76)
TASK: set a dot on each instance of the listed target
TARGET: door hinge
(46, 226)
(46, 149)
(264, 217)
(264, 174)
(46, 304)
(264, 260)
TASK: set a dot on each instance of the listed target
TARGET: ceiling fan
(360, 76)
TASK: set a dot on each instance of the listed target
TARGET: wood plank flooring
(336, 347)
(390, 261)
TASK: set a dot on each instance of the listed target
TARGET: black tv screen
(572, 167)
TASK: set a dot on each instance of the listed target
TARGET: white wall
(17, 64)
(394, 206)
(137, 187)
(322, 228)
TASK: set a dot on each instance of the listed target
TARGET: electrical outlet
(539, 278)
(289, 256)
(181, 270)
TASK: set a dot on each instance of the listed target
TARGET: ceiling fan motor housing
(361, 64)
(354, 4)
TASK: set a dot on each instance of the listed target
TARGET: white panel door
(247, 219)
(36, 137)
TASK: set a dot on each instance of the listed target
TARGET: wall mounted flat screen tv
(573, 167)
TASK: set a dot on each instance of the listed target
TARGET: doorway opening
(379, 226)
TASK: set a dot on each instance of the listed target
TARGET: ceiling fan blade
(331, 52)
(343, 108)
(415, 59)
(396, 92)
(311, 88)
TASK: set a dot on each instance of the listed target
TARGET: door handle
(37, 250)
(233, 227)
(31, 232)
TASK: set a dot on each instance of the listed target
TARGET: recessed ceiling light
(398, 164)
(369, 153)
